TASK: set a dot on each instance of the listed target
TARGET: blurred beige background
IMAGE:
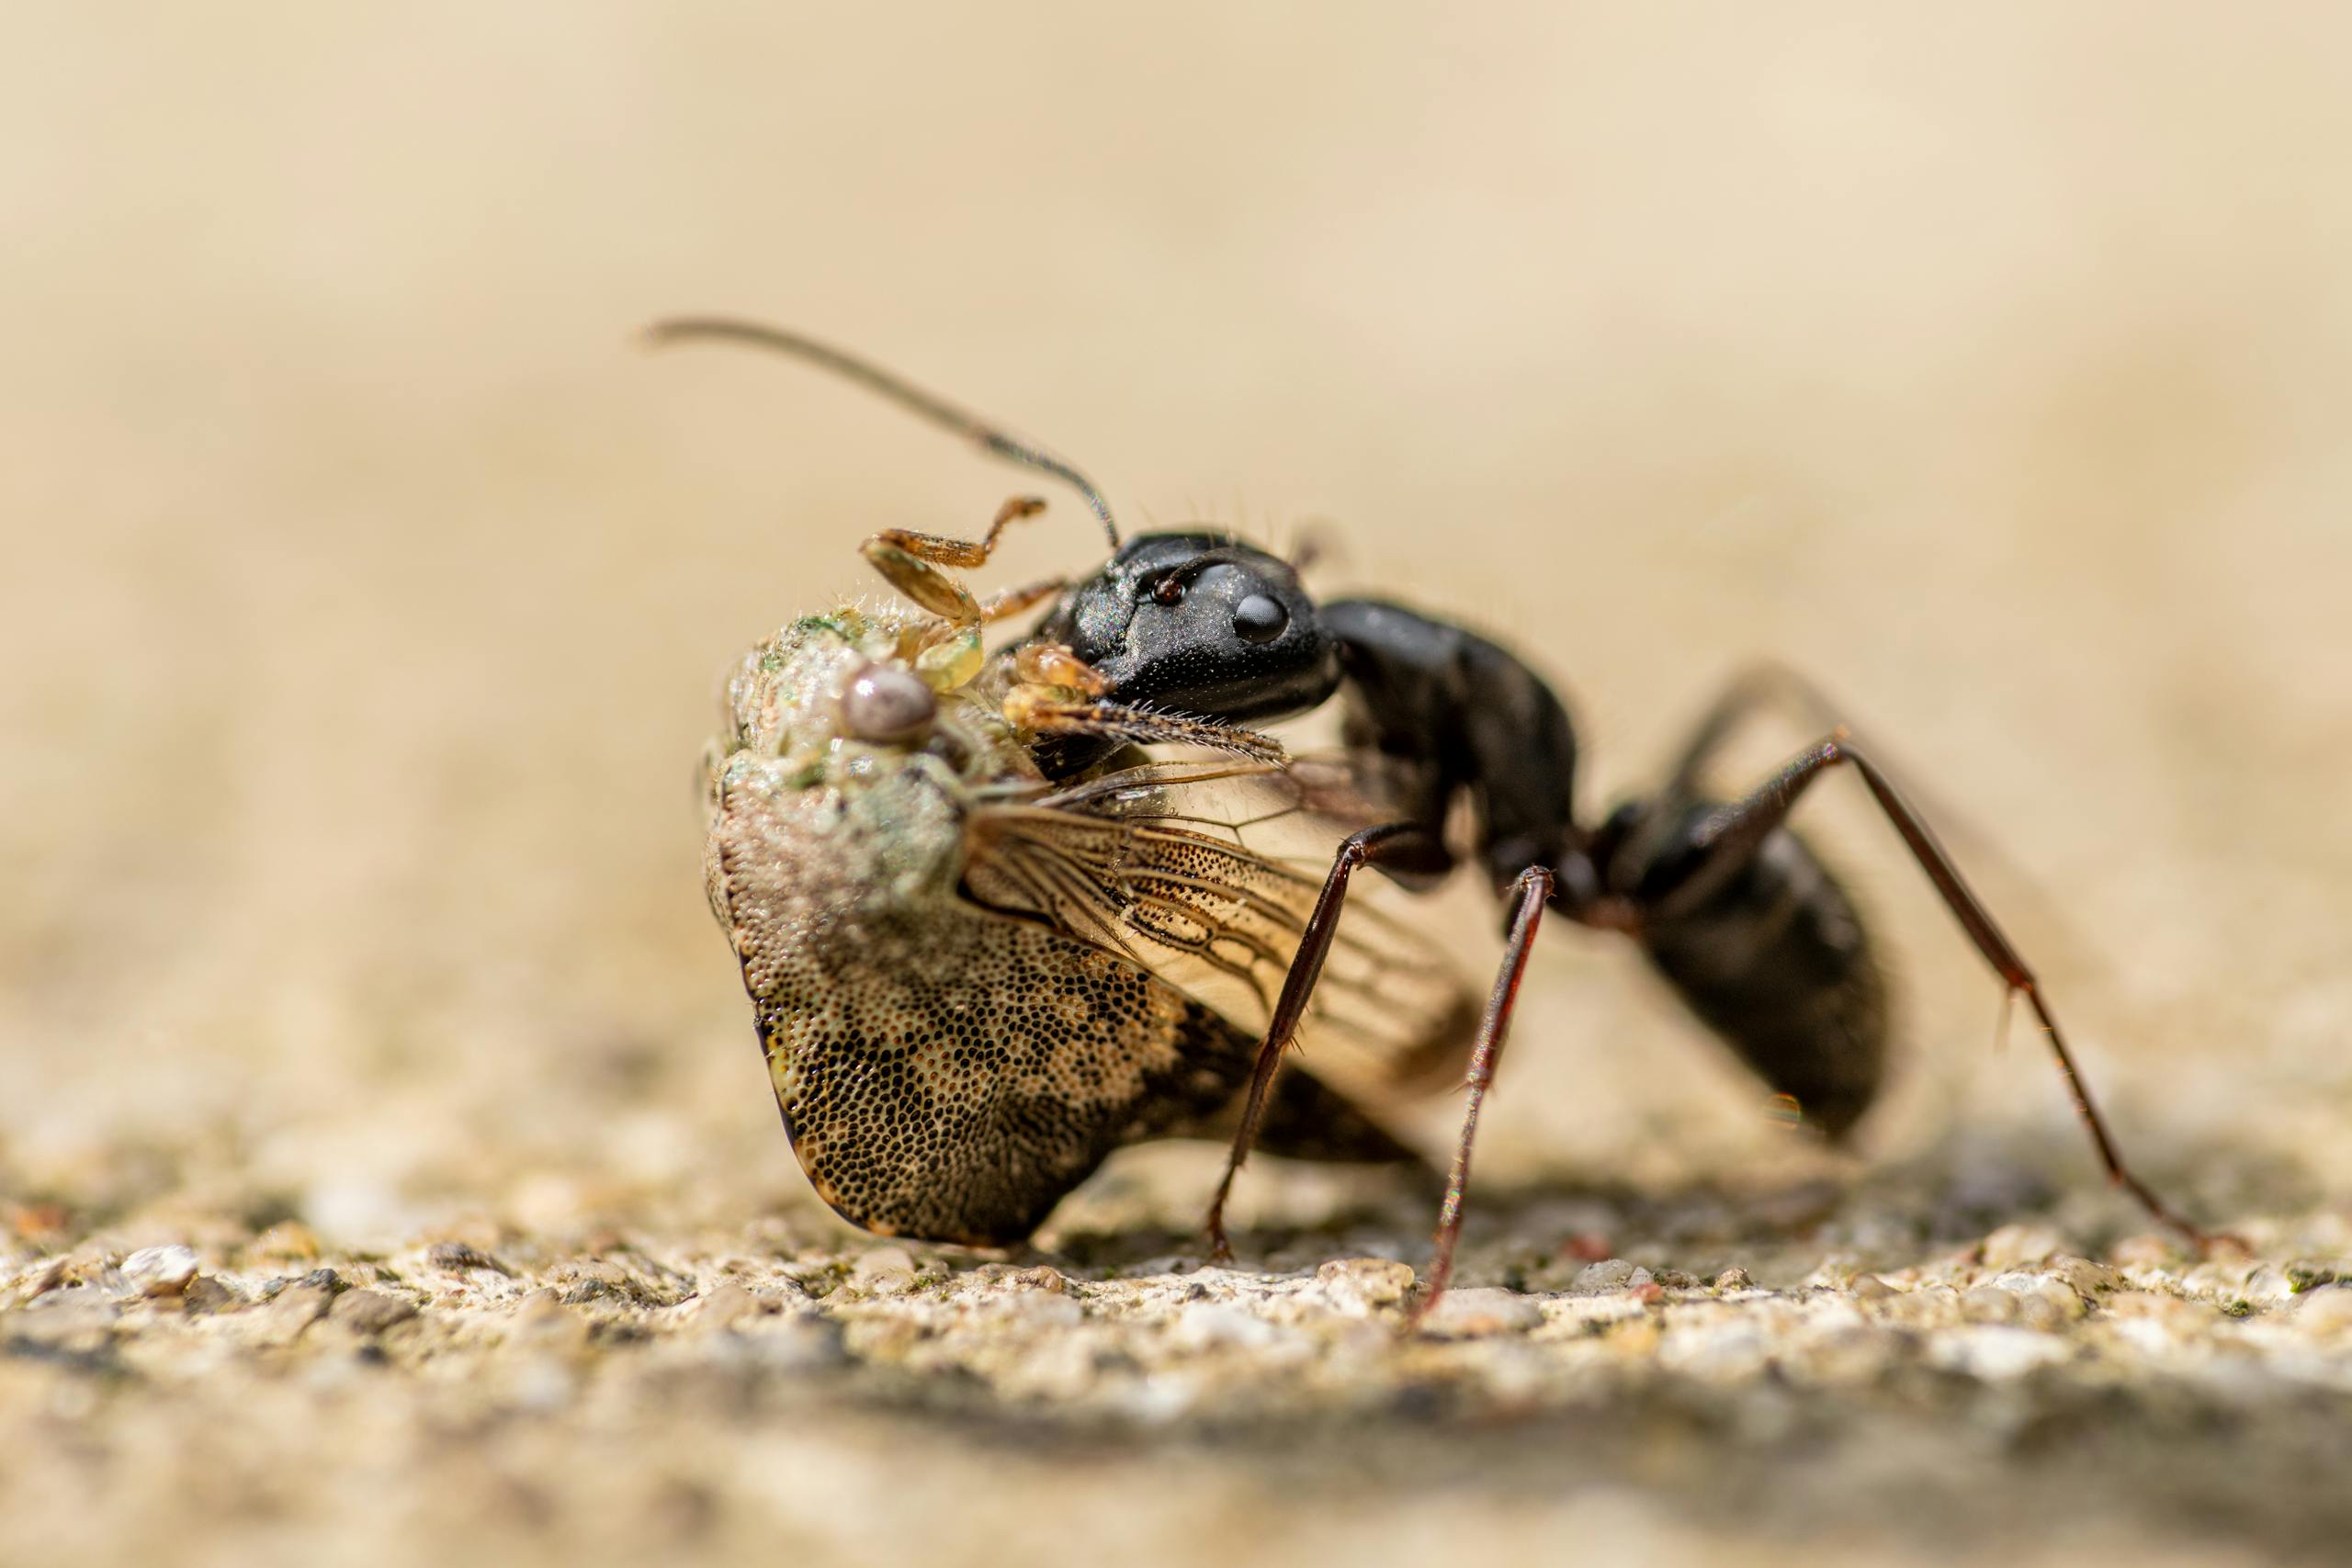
(366, 587)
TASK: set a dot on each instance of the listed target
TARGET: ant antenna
(914, 400)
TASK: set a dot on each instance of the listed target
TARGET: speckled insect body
(942, 1071)
(972, 985)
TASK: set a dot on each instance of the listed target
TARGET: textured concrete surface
(366, 591)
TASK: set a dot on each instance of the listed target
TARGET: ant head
(1200, 624)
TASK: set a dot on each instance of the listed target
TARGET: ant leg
(1766, 682)
(1406, 842)
(1529, 895)
(910, 562)
(1739, 830)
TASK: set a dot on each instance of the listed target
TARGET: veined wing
(1206, 873)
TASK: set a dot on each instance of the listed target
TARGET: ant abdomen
(1777, 960)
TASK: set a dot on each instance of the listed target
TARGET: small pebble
(542, 1306)
(797, 1342)
(205, 1293)
(1216, 1326)
(1483, 1310)
(457, 1257)
(1609, 1274)
(1985, 1304)
(542, 1319)
(71, 1315)
(2086, 1278)
(724, 1307)
(884, 1272)
(1856, 1354)
(2328, 1310)
(160, 1271)
(2014, 1246)
(294, 1311)
(1360, 1284)
(1733, 1279)
(371, 1311)
(1042, 1309)
(1994, 1353)
(1727, 1351)
(2148, 1250)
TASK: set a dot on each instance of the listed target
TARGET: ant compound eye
(1259, 618)
(888, 706)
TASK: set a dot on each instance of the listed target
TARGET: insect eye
(1259, 618)
(888, 706)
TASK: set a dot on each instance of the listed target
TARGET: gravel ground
(386, 1173)
(1861, 1378)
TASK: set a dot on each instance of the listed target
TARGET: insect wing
(1205, 874)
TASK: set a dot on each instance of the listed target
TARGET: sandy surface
(367, 591)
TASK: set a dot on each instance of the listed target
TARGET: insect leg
(1768, 683)
(1763, 683)
(1012, 601)
(1740, 830)
(910, 562)
(1529, 895)
(1053, 664)
(1407, 842)
(1043, 712)
(963, 554)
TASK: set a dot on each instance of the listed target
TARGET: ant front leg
(1400, 845)
(1731, 840)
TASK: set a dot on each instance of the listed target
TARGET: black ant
(1734, 911)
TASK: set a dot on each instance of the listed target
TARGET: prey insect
(821, 846)
(972, 981)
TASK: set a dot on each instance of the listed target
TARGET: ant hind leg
(1734, 836)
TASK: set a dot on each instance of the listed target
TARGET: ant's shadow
(1537, 1233)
